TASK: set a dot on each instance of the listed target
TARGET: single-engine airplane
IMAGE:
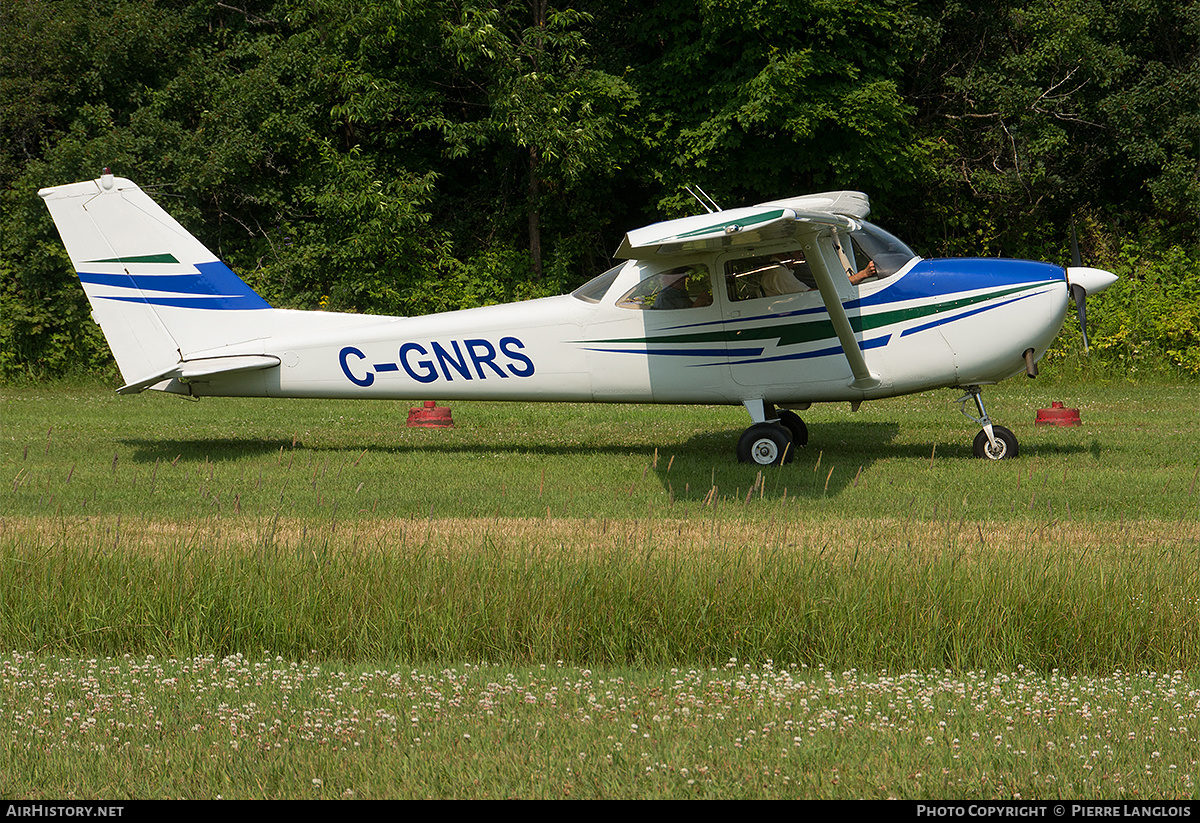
(773, 307)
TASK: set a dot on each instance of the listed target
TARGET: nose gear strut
(993, 442)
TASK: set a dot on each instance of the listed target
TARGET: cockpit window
(874, 245)
(683, 287)
(768, 276)
(593, 291)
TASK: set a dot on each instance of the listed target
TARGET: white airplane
(773, 307)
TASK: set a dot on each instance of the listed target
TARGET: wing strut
(819, 265)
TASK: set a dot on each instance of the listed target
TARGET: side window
(768, 276)
(864, 265)
(683, 287)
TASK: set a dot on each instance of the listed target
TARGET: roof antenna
(703, 199)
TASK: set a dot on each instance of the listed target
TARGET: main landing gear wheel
(792, 422)
(1006, 444)
(766, 444)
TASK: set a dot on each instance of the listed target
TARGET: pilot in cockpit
(867, 271)
(677, 292)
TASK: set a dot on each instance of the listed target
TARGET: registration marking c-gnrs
(473, 359)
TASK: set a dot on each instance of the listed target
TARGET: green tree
(397, 156)
(754, 99)
(1154, 116)
(541, 100)
(1029, 111)
(72, 75)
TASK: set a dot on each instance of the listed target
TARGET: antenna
(703, 199)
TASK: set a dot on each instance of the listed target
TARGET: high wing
(775, 220)
(836, 212)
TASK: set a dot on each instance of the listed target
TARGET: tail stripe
(213, 286)
(169, 308)
(145, 258)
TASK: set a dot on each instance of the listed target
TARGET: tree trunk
(539, 8)
(535, 214)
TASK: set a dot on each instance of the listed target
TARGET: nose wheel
(993, 442)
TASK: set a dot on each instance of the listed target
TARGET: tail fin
(156, 291)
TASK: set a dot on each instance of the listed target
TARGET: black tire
(766, 444)
(1005, 440)
(792, 422)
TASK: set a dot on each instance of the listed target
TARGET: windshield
(873, 244)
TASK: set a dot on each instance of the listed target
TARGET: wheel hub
(765, 451)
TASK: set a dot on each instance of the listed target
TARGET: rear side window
(593, 291)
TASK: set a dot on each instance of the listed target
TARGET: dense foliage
(404, 156)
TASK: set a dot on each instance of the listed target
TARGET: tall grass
(655, 592)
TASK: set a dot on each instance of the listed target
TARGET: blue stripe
(686, 352)
(214, 286)
(178, 283)
(209, 303)
(937, 278)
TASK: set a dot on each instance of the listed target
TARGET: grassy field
(307, 598)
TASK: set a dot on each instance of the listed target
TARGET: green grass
(86, 451)
(647, 593)
(228, 542)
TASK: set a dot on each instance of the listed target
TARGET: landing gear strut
(994, 442)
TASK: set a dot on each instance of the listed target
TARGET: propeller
(1083, 281)
(1078, 292)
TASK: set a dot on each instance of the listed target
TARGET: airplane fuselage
(938, 323)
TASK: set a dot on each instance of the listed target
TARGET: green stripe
(144, 258)
(751, 220)
(807, 332)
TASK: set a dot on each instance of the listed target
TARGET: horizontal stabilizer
(201, 368)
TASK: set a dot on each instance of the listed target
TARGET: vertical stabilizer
(156, 291)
